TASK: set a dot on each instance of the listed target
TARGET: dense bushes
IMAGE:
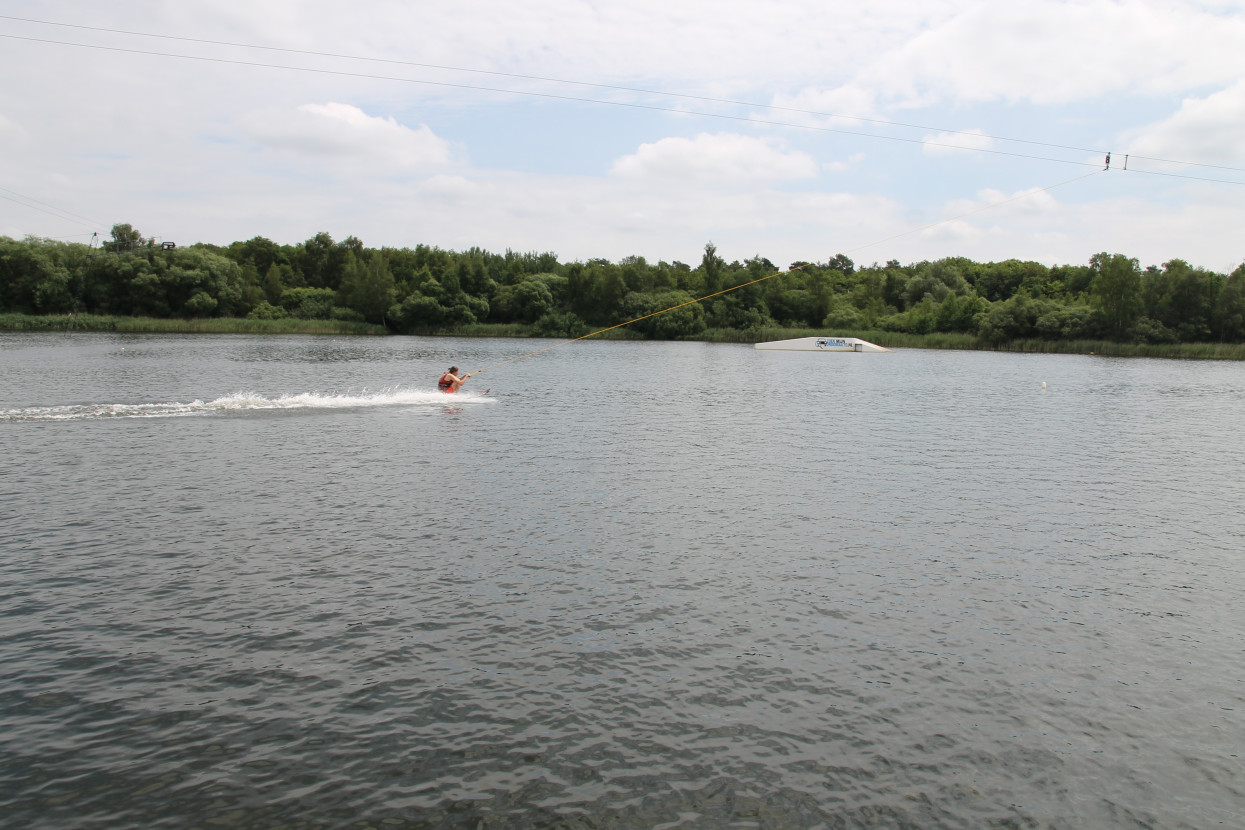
(426, 289)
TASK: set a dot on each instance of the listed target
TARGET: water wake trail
(241, 402)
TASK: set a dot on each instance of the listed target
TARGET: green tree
(1182, 298)
(894, 284)
(472, 274)
(367, 285)
(998, 281)
(732, 311)
(252, 288)
(417, 312)
(667, 316)
(316, 261)
(793, 306)
(201, 304)
(186, 272)
(524, 302)
(124, 238)
(959, 313)
(843, 264)
(561, 325)
(261, 252)
(609, 288)
(711, 267)
(821, 295)
(579, 289)
(843, 318)
(274, 283)
(309, 303)
(922, 286)
(1065, 322)
(1116, 292)
(33, 279)
(1016, 317)
(1073, 281)
(1230, 310)
(919, 319)
(637, 274)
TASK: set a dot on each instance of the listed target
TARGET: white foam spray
(245, 402)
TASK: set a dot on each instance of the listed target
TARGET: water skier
(450, 382)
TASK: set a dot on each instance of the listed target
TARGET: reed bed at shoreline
(211, 325)
(1106, 348)
(891, 340)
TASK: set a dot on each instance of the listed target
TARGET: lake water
(273, 582)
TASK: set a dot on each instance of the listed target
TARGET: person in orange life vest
(450, 382)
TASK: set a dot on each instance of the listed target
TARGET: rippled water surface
(282, 582)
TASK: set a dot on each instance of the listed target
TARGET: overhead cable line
(640, 90)
(547, 79)
(707, 99)
(982, 209)
(552, 96)
(51, 210)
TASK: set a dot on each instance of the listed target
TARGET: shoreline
(891, 340)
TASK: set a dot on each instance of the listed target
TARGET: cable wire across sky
(487, 161)
(752, 119)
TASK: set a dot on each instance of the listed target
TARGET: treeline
(428, 290)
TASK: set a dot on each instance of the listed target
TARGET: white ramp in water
(823, 344)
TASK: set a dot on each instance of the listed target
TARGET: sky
(794, 130)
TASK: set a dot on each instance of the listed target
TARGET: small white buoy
(1043, 384)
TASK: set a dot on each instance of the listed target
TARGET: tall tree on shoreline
(1116, 292)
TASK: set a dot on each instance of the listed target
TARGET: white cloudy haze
(607, 129)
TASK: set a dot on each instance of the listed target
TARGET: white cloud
(10, 129)
(852, 103)
(955, 143)
(449, 190)
(388, 161)
(725, 159)
(842, 166)
(345, 132)
(1208, 130)
(1028, 201)
(1045, 228)
(1057, 52)
(696, 46)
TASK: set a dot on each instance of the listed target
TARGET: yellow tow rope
(643, 317)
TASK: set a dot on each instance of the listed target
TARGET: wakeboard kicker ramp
(823, 344)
